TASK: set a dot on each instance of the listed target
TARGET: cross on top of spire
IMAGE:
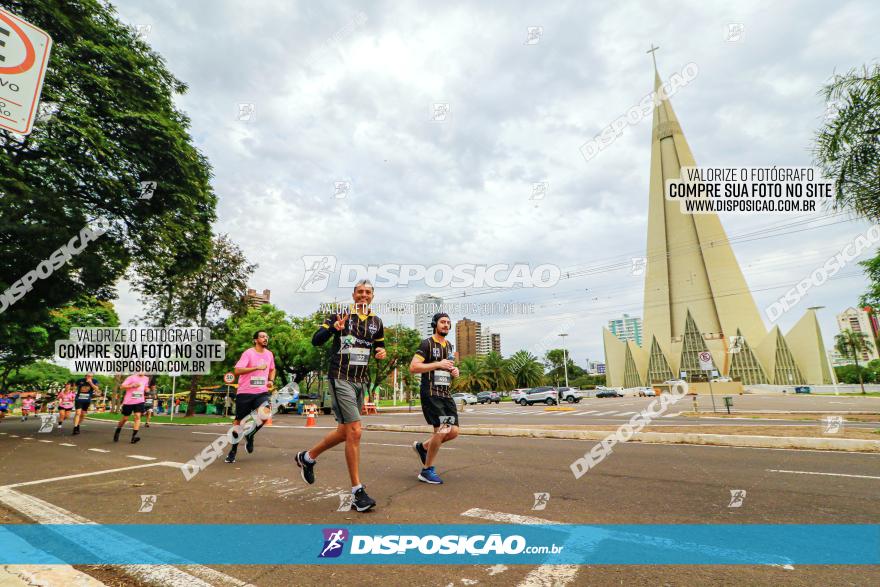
(651, 51)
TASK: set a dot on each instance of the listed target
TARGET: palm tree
(472, 376)
(526, 369)
(847, 146)
(500, 377)
(852, 344)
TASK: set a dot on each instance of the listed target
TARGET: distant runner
(355, 335)
(86, 388)
(66, 400)
(149, 399)
(434, 360)
(135, 387)
(27, 408)
(256, 372)
(5, 402)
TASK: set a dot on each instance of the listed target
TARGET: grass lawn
(387, 403)
(859, 393)
(198, 419)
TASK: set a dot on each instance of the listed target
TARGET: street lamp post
(564, 357)
(828, 359)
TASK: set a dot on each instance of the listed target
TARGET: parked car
(546, 395)
(609, 393)
(721, 380)
(518, 393)
(465, 398)
(571, 395)
(286, 398)
(647, 392)
(488, 397)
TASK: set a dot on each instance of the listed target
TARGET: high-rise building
(255, 300)
(488, 342)
(467, 337)
(627, 328)
(426, 305)
(696, 298)
(858, 320)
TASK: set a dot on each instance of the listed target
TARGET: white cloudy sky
(339, 100)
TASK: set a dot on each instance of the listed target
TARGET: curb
(30, 575)
(838, 444)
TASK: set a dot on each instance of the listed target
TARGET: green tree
(851, 344)
(401, 343)
(205, 296)
(847, 147)
(116, 125)
(472, 376)
(498, 372)
(553, 362)
(526, 369)
(854, 374)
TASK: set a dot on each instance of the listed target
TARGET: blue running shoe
(429, 476)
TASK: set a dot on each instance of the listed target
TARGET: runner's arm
(324, 333)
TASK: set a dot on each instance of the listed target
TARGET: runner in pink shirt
(135, 387)
(256, 372)
(65, 402)
(27, 407)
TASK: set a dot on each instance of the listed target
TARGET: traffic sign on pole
(24, 54)
(706, 361)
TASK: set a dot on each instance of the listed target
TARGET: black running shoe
(307, 469)
(362, 502)
(249, 443)
(230, 458)
(135, 439)
(116, 434)
(420, 450)
(75, 430)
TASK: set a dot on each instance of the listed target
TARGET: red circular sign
(229, 378)
(29, 53)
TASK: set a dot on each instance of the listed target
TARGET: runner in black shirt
(434, 360)
(356, 334)
(86, 388)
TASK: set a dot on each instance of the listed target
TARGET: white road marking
(626, 413)
(93, 473)
(98, 450)
(141, 457)
(588, 412)
(607, 413)
(544, 575)
(65, 444)
(13, 436)
(43, 512)
(49, 441)
(28, 438)
(827, 474)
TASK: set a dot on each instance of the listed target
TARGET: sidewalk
(45, 576)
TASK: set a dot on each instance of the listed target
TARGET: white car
(518, 393)
(465, 398)
(646, 392)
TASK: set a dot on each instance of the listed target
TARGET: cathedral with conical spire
(696, 298)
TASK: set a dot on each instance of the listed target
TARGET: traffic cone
(310, 419)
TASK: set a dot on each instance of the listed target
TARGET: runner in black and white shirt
(356, 335)
(435, 361)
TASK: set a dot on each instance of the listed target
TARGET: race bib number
(442, 378)
(358, 356)
(137, 395)
(83, 396)
(258, 381)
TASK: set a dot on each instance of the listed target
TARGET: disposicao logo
(334, 542)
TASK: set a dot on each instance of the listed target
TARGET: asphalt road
(484, 477)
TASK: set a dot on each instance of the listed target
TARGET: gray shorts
(348, 400)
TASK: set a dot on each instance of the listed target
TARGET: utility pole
(564, 357)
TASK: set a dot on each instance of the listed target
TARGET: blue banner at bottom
(454, 544)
